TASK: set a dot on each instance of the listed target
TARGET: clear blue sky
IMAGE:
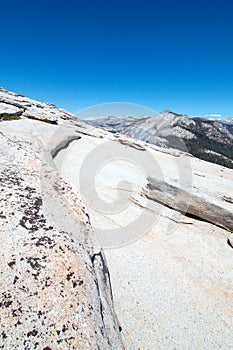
(166, 54)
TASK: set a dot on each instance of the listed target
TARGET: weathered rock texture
(15, 104)
(55, 287)
(215, 209)
(172, 284)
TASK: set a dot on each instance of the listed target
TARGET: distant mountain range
(205, 138)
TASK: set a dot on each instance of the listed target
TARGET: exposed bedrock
(55, 287)
(197, 203)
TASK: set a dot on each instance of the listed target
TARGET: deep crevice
(229, 243)
(106, 274)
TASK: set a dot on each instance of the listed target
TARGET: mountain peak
(168, 111)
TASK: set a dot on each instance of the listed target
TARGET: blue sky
(168, 54)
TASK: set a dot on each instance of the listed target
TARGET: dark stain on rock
(69, 276)
(11, 263)
(15, 279)
(17, 312)
(46, 242)
(33, 333)
(6, 300)
(61, 249)
(18, 323)
(32, 220)
(4, 336)
(34, 262)
(64, 328)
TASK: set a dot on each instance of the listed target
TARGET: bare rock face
(131, 143)
(6, 108)
(15, 104)
(55, 286)
(171, 274)
(200, 204)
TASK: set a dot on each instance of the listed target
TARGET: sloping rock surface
(171, 274)
(55, 287)
(13, 103)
